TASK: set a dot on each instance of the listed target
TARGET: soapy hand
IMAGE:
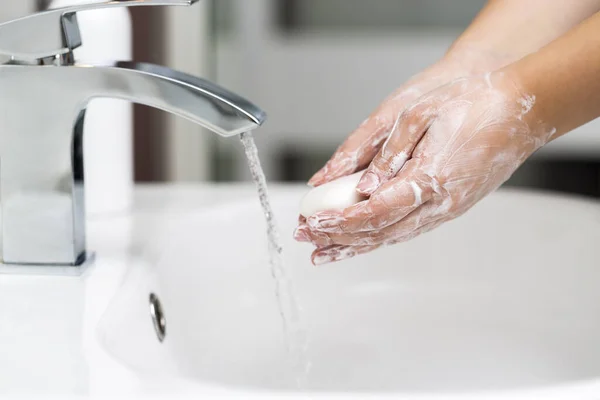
(363, 144)
(447, 151)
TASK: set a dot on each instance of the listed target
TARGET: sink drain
(158, 317)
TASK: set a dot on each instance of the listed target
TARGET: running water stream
(294, 331)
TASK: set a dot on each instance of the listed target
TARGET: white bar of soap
(335, 195)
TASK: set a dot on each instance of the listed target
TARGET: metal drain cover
(158, 317)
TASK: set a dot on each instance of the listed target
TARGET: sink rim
(287, 193)
(584, 389)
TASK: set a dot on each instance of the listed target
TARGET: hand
(363, 144)
(447, 151)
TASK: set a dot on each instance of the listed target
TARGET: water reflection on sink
(503, 299)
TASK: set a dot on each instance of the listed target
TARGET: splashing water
(294, 331)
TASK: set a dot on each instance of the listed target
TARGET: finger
(406, 133)
(364, 143)
(406, 228)
(338, 253)
(356, 151)
(300, 233)
(304, 234)
(418, 232)
(391, 203)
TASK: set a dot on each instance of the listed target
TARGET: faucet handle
(56, 31)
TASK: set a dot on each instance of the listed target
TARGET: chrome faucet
(44, 93)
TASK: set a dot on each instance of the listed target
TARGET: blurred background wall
(318, 67)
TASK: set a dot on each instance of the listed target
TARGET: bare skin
(564, 77)
(503, 32)
(456, 144)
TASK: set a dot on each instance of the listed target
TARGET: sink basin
(501, 303)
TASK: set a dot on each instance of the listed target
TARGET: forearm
(508, 30)
(504, 31)
(564, 77)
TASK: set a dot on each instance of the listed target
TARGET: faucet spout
(42, 111)
(196, 99)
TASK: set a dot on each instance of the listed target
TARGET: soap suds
(418, 192)
(527, 102)
(477, 139)
(397, 163)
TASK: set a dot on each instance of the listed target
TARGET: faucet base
(87, 260)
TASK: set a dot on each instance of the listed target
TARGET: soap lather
(335, 195)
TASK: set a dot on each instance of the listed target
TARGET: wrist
(476, 60)
(523, 91)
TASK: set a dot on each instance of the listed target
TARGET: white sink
(503, 303)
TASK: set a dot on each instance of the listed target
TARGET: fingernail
(321, 259)
(314, 181)
(301, 235)
(368, 183)
(333, 254)
(317, 261)
(324, 220)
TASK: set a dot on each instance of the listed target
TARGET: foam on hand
(335, 195)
